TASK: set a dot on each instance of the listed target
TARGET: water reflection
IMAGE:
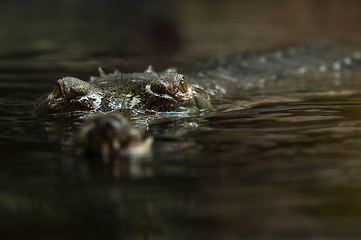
(281, 170)
(276, 170)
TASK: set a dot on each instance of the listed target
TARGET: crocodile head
(69, 95)
(166, 92)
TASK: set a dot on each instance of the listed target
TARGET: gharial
(197, 87)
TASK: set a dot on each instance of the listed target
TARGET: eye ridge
(57, 93)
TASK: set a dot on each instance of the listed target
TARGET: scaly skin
(148, 91)
(311, 68)
(298, 69)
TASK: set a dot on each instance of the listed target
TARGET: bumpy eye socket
(57, 91)
(184, 85)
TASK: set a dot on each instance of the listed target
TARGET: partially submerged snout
(112, 136)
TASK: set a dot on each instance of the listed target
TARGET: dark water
(288, 170)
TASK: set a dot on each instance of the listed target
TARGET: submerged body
(319, 67)
(298, 69)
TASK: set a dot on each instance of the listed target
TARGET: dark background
(129, 35)
(284, 171)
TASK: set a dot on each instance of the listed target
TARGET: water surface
(281, 170)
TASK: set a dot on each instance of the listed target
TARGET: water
(281, 170)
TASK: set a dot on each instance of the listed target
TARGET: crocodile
(319, 67)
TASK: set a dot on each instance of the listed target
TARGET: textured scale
(312, 68)
(304, 68)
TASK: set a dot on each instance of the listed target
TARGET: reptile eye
(184, 85)
(57, 91)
